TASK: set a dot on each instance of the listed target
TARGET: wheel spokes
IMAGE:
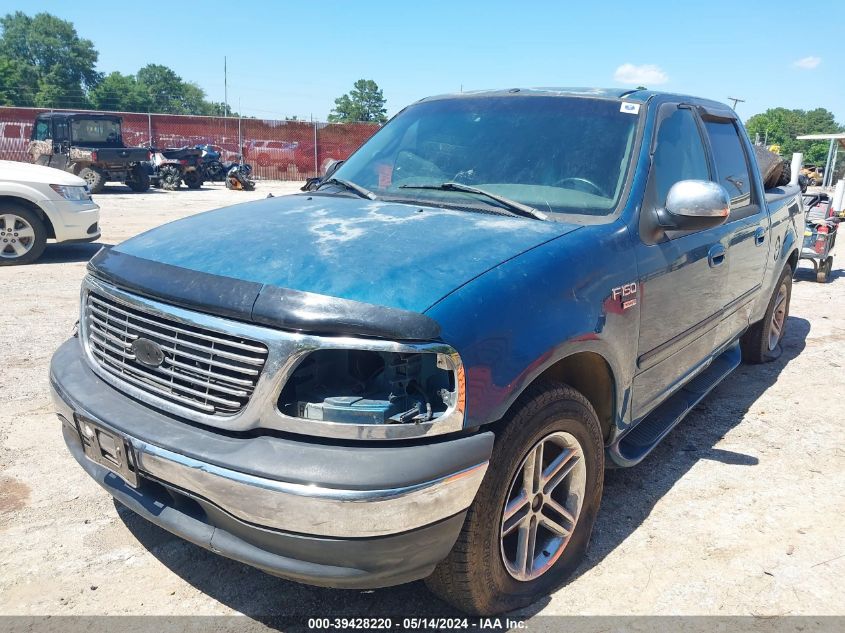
(526, 543)
(516, 511)
(25, 232)
(553, 526)
(9, 222)
(560, 509)
(558, 470)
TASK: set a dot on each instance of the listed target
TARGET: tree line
(780, 126)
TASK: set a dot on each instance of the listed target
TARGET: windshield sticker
(630, 108)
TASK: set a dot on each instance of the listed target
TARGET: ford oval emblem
(147, 352)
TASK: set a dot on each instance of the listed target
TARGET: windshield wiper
(351, 186)
(512, 205)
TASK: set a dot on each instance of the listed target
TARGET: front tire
(760, 343)
(170, 178)
(529, 526)
(23, 235)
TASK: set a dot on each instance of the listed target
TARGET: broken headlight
(372, 387)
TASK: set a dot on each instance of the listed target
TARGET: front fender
(515, 321)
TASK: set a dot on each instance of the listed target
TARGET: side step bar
(632, 447)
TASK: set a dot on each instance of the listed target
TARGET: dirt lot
(740, 511)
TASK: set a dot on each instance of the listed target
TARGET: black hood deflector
(262, 304)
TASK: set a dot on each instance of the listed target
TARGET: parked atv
(172, 166)
(90, 146)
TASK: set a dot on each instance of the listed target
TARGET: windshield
(563, 155)
(95, 131)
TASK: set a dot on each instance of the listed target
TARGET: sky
(288, 59)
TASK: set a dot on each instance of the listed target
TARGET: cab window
(678, 153)
(731, 165)
(41, 131)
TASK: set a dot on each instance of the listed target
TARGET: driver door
(682, 274)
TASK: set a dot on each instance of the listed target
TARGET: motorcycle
(238, 177)
(171, 166)
(213, 168)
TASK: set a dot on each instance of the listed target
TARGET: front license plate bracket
(108, 449)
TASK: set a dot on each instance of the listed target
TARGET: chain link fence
(276, 149)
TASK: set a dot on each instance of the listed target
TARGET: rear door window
(731, 164)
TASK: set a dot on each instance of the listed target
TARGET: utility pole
(735, 100)
(225, 88)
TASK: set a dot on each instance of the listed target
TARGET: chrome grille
(204, 370)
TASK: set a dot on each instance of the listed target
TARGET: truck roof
(73, 115)
(631, 94)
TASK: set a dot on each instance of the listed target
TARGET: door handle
(716, 255)
(759, 236)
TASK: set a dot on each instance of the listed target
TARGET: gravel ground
(738, 512)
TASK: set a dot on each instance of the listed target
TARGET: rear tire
(23, 235)
(94, 178)
(483, 575)
(139, 179)
(760, 343)
(193, 180)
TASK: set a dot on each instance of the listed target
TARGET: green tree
(48, 49)
(169, 94)
(120, 92)
(365, 102)
(780, 126)
(17, 86)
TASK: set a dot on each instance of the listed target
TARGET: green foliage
(17, 86)
(780, 126)
(56, 65)
(168, 93)
(120, 92)
(365, 102)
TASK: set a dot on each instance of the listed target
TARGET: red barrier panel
(277, 150)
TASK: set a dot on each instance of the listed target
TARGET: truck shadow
(629, 497)
(631, 493)
(69, 253)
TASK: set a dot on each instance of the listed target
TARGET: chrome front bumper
(387, 489)
(309, 509)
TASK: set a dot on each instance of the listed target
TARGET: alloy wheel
(17, 236)
(778, 321)
(543, 505)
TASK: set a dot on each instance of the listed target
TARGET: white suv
(40, 203)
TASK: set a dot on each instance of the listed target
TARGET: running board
(632, 447)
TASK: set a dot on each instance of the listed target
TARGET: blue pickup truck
(421, 366)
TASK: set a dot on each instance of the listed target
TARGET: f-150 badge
(627, 294)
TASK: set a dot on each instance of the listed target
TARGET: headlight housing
(367, 387)
(70, 192)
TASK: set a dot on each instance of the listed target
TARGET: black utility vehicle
(90, 146)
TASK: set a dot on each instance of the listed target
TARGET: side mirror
(693, 205)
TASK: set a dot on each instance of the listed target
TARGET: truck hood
(387, 254)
